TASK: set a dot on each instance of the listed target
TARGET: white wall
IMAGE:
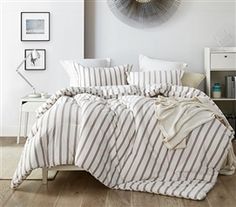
(66, 42)
(193, 27)
(182, 38)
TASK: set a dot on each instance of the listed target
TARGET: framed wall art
(35, 26)
(33, 63)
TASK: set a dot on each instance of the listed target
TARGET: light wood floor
(82, 190)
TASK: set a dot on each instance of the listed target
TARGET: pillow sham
(100, 76)
(148, 64)
(191, 79)
(68, 65)
(155, 77)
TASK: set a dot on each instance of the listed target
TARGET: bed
(111, 132)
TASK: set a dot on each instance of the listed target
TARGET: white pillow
(100, 76)
(68, 65)
(148, 64)
(144, 78)
(193, 80)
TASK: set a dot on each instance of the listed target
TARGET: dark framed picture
(35, 26)
(35, 63)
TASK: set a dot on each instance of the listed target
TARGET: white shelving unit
(219, 63)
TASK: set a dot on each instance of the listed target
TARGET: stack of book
(230, 83)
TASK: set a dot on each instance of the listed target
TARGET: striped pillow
(100, 76)
(69, 67)
(142, 79)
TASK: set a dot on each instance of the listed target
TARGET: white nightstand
(220, 63)
(28, 105)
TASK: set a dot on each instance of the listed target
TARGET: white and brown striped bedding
(111, 132)
(172, 77)
(100, 76)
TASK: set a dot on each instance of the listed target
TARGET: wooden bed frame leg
(45, 175)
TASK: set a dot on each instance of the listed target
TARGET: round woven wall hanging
(143, 13)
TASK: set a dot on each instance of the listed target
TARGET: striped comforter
(111, 132)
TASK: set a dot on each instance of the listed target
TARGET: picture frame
(39, 64)
(35, 26)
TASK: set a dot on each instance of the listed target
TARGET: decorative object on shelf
(38, 63)
(216, 90)
(35, 26)
(33, 55)
(143, 13)
(44, 95)
(230, 83)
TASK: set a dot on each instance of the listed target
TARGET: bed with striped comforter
(111, 132)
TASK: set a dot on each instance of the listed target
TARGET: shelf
(29, 99)
(223, 99)
(223, 70)
(222, 49)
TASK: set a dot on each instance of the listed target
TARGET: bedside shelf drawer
(31, 106)
(223, 61)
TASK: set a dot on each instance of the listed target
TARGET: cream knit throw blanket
(177, 117)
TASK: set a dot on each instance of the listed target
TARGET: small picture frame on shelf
(35, 26)
(38, 64)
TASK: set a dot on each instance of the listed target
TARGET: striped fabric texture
(100, 76)
(111, 132)
(155, 77)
